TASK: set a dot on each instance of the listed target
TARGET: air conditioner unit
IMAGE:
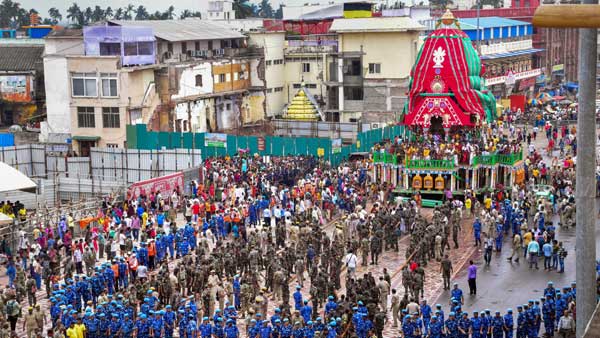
(219, 52)
(374, 126)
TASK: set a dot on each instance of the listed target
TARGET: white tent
(11, 179)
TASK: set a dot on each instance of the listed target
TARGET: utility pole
(478, 34)
(586, 17)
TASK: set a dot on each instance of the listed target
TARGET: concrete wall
(273, 44)
(233, 81)
(198, 110)
(58, 95)
(64, 46)
(187, 80)
(395, 51)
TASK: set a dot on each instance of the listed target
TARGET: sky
(152, 5)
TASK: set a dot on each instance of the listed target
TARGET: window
(110, 48)
(131, 48)
(86, 117)
(268, 62)
(198, 80)
(228, 106)
(112, 145)
(278, 89)
(222, 78)
(353, 93)
(145, 48)
(110, 117)
(197, 45)
(241, 75)
(306, 67)
(374, 68)
(297, 86)
(311, 85)
(170, 47)
(269, 90)
(278, 62)
(183, 47)
(109, 84)
(84, 84)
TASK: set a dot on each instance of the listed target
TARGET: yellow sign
(557, 68)
(320, 152)
(357, 143)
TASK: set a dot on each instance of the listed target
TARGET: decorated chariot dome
(446, 86)
(303, 107)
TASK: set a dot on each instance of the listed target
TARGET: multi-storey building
(184, 75)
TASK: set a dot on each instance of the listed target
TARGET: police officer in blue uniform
(548, 313)
(508, 323)
(451, 326)
(521, 323)
(476, 324)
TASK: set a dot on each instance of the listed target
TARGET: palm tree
(169, 13)
(185, 14)
(108, 13)
(87, 15)
(75, 15)
(9, 11)
(118, 14)
(127, 15)
(265, 9)
(54, 13)
(97, 14)
(141, 13)
(242, 8)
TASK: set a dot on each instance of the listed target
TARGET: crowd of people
(254, 231)
(460, 147)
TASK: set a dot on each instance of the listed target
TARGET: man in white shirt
(350, 261)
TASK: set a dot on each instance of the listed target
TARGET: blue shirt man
(306, 312)
(508, 323)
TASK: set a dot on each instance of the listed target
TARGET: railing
(492, 159)
(430, 164)
(386, 158)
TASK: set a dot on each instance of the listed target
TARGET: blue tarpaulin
(7, 140)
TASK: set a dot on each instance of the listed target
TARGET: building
(22, 94)
(219, 10)
(368, 82)
(111, 83)
(173, 75)
(558, 60)
(506, 49)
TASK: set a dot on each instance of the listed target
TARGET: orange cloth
(152, 249)
(86, 221)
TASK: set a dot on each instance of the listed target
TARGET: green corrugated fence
(140, 138)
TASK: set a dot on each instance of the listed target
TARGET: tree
(55, 15)
(279, 13)
(141, 13)
(441, 4)
(118, 14)
(265, 9)
(189, 14)
(128, 12)
(9, 13)
(158, 15)
(108, 13)
(97, 14)
(242, 8)
(169, 13)
(87, 15)
(75, 15)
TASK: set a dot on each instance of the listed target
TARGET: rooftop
(184, 30)
(65, 33)
(376, 24)
(20, 58)
(489, 22)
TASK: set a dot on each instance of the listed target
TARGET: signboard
(215, 140)
(16, 88)
(320, 152)
(558, 68)
(165, 184)
(517, 76)
(261, 143)
(526, 83)
(510, 78)
(336, 146)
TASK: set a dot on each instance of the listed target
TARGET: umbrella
(566, 102)
(573, 105)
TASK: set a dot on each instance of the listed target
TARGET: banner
(215, 140)
(336, 146)
(165, 184)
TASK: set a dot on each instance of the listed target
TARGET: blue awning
(510, 54)
(572, 85)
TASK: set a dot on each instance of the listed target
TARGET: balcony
(493, 159)
(506, 47)
(487, 160)
(311, 46)
(430, 164)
